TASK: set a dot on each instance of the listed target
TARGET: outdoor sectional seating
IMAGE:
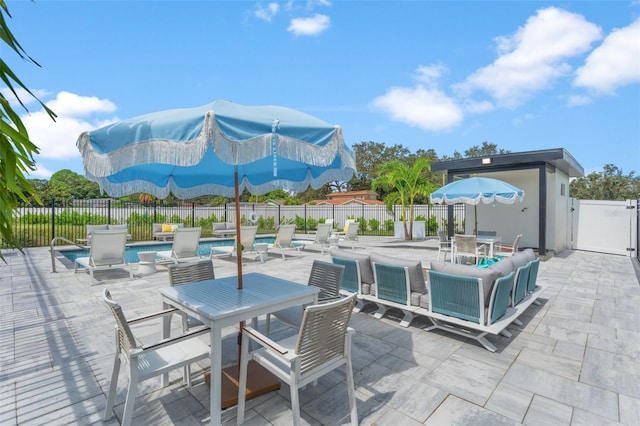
(224, 229)
(162, 231)
(463, 299)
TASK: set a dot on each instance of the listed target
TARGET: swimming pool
(131, 252)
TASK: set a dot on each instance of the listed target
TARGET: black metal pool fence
(38, 226)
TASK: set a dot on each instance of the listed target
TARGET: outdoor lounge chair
(247, 239)
(322, 345)
(321, 238)
(107, 251)
(184, 247)
(284, 240)
(351, 235)
(149, 360)
(327, 277)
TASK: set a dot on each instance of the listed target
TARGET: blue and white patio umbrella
(219, 148)
(475, 190)
(196, 151)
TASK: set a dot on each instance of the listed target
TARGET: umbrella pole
(475, 208)
(259, 379)
(238, 236)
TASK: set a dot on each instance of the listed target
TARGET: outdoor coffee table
(261, 249)
(147, 264)
(219, 303)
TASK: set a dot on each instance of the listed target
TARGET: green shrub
(374, 224)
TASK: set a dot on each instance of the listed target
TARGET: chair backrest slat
(182, 273)
(126, 341)
(327, 277)
(392, 283)
(351, 276)
(322, 333)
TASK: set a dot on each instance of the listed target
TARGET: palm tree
(16, 149)
(404, 182)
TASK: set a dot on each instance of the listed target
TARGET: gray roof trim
(559, 158)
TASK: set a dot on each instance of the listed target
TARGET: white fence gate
(604, 226)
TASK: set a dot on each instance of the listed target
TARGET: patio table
(219, 303)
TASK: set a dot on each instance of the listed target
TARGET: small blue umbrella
(475, 190)
(218, 148)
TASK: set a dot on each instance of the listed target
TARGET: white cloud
(478, 106)
(309, 26)
(578, 100)
(429, 75)
(613, 64)
(533, 57)
(57, 140)
(40, 172)
(268, 12)
(428, 109)
(24, 96)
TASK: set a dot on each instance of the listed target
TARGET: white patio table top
(219, 303)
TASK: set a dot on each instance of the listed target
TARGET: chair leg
(113, 387)
(242, 386)
(90, 276)
(131, 392)
(352, 393)
(268, 325)
(186, 373)
(295, 399)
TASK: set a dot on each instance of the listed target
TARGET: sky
(441, 75)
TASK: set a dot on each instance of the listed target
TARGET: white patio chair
(190, 272)
(106, 251)
(324, 275)
(147, 361)
(351, 236)
(322, 345)
(467, 246)
(184, 247)
(321, 238)
(247, 239)
(508, 249)
(284, 240)
(444, 245)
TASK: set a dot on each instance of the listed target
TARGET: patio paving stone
(573, 361)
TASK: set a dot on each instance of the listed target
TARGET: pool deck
(575, 360)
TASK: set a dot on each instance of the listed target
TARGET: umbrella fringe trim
(229, 150)
(126, 188)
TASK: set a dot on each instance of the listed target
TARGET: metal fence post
(108, 211)
(53, 218)
(193, 214)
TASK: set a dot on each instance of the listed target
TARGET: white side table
(261, 249)
(147, 263)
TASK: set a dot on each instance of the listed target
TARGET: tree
(610, 184)
(369, 157)
(16, 148)
(65, 185)
(486, 149)
(404, 182)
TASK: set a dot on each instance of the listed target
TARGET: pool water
(131, 252)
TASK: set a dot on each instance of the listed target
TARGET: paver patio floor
(574, 361)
